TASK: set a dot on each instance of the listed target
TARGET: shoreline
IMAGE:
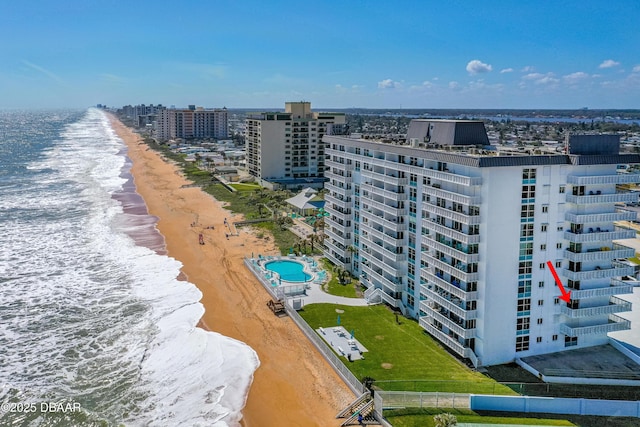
(294, 384)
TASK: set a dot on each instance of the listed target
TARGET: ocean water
(95, 327)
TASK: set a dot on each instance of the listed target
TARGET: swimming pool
(289, 271)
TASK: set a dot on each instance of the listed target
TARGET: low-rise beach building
(463, 237)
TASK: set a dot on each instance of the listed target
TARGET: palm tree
(445, 420)
(312, 239)
(352, 250)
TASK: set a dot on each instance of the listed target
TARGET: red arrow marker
(566, 296)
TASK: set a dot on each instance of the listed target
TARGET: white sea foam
(88, 315)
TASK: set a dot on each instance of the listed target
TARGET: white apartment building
(459, 237)
(192, 123)
(285, 149)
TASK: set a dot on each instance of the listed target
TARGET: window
(556, 300)
(570, 341)
(524, 304)
(543, 247)
(543, 228)
(562, 189)
(539, 339)
(522, 343)
(528, 174)
(558, 245)
(540, 321)
(554, 338)
(525, 267)
(560, 228)
(522, 324)
(527, 211)
(526, 230)
(545, 209)
(526, 249)
(541, 284)
(528, 191)
(542, 266)
(540, 302)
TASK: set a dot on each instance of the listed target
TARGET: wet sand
(294, 385)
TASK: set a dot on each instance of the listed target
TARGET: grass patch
(334, 287)
(245, 187)
(402, 354)
(423, 417)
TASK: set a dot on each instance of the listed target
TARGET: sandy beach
(294, 385)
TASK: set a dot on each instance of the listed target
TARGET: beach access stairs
(363, 405)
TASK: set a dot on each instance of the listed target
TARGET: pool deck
(313, 293)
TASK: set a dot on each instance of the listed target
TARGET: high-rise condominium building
(460, 237)
(285, 149)
(192, 123)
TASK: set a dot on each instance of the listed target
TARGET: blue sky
(377, 54)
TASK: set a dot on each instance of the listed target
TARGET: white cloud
(506, 70)
(608, 63)
(454, 85)
(387, 84)
(636, 69)
(541, 79)
(44, 71)
(527, 69)
(476, 66)
(575, 77)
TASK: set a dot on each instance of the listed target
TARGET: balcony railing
(449, 287)
(627, 178)
(604, 253)
(452, 196)
(451, 214)
(388, 194)
(616, 323)
(617, 307)
(447, 248)
(450, 324)
(617, 287)
(448, 177)
(599, 236)
(451, 270)
(618, 269)
(445, 339)
(451, 306)
(467, 239)
(602, 198)
(602, 217)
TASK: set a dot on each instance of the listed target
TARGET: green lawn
(424, 418)
(401, 352)
(334, 287)
(245, 187)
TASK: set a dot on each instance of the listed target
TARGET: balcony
(451, 306)
(575, 313)
(339, 164)
(391, 224)
(388, 179)
(334, 189)
(618, 269)
(450, 324)
(388, 194)
(451, 214)
(615, 323)
(602, 217)
(392, 210)
(448, 177)
(374, 276)
(602, 198)
(617, 287)
(452, 196)
(334, 235)
(386, 238)
(605, 253)
(342, 203)
(604, 179)
(445, 339)
(452, 289)
(599, 236)
(434, 227)
(451, 270)
(447, 248)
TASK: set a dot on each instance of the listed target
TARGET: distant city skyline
(365, 54)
